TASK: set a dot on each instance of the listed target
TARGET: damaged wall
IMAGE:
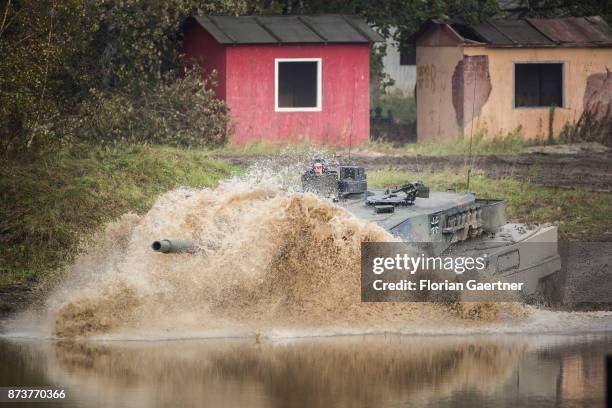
(598, 95)
(464, 85)
(581, 66)
(471, 84)
(436, 117)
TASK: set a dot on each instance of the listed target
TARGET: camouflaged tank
(435, 221)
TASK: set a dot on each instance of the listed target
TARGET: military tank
(438, 222)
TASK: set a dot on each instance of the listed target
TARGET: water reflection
(341, 372)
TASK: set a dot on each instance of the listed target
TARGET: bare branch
(44, 89)
(6, 9)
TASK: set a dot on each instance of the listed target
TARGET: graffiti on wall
(426, 77)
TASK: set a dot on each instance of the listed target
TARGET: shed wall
(498, 116)
(250, 90)
(436, 117)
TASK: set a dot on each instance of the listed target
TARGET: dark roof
(511, 4)
(326, 28)
(531, 32)
(557, 32)
(522, 8)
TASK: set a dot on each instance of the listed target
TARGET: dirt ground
(587, 170)
(592, 171)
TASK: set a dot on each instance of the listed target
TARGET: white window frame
(317, 108)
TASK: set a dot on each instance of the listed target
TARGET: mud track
(590, 171)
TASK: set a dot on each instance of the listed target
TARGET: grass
(480, 145)
(264, 148)
(579, 214)
(512, 143)
(48, 203)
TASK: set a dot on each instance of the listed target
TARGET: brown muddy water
(351, 371)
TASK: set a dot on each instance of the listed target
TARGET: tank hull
(460, 223)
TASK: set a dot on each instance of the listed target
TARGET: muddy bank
(587, 170)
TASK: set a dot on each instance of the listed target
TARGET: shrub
(590, 127)
(182, 113)
(69, 52)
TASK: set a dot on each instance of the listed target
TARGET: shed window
(538, 85)
(298, 85)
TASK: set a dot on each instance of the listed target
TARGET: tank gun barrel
(404, 188)
(173, 246)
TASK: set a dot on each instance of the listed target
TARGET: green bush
(136, 43)
(107, 54)
(182, 113)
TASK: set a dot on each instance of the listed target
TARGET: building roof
(325, 28)
(522, 8)
(557, 32)
(533, 32)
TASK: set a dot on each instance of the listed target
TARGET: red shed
(288, 77)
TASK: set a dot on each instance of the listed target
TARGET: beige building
(500, 76)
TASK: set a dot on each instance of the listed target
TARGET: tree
(396, 19)
(39, 36)
(65, 52)
(562, 8)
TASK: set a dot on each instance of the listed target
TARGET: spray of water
(273, 261)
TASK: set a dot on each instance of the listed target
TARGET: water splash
(273, 261)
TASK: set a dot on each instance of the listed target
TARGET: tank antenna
(352, 118)
(350, 144)
(469, 171)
